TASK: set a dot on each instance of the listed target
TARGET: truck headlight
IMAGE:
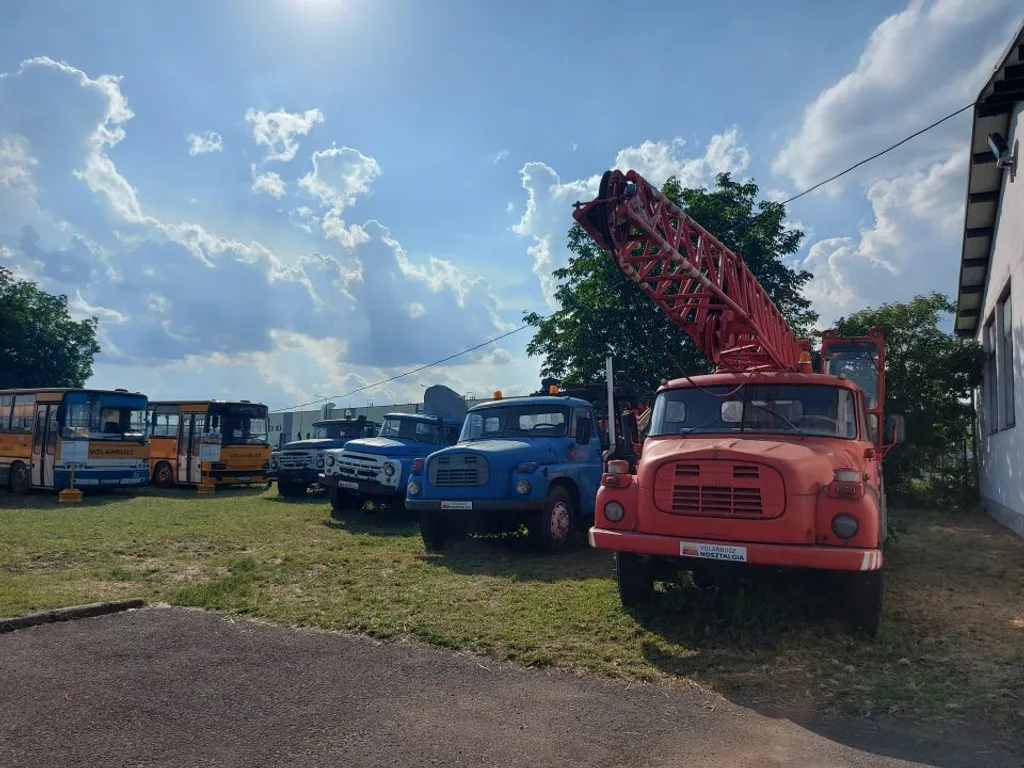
(389, 470)
(522, 487)
(614, 511)
(844, 526)
(414, 488)
(320, 463)
(330, 459)
(273, 462)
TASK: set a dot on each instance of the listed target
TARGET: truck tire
(342, 502)
(21, 478)
(551, 529)
(862, 595)
(635, 578)
(435, 529)
(163, 475)
(291, 490)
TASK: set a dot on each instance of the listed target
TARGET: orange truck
(765, 462)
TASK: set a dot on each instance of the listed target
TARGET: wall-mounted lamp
(1004, 158)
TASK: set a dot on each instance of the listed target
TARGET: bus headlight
(414, 488)
(522, 487)
(844, 526)
(613, 511)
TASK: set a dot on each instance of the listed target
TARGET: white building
(990, 302)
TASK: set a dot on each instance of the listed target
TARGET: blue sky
(375, 185)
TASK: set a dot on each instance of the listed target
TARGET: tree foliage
(41, 345)
(929, 377)
(603, 312)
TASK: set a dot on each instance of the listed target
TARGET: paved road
(172, 687)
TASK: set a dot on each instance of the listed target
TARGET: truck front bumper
(362, 487)
(475, 505)
(779, 555)
(296, 477)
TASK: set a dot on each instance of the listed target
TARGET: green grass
(951, 647)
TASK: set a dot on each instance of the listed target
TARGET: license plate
(244, 479)
(348, 484)
(456, 505)
(713, 552)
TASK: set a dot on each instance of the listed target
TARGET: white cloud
(416, 310)
(277, 130)
(207, 141)
(339, 176)
(918, 65)
(509, 207)
(269, 182)
(549, 200)
(499, 156)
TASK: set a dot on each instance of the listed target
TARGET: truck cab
(296, 467)
(534, 460)
(378, 468)
(776, 469)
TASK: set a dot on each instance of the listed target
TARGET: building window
(990, 380)
(1004, 312)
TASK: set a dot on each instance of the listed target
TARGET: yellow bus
(224, 443)
(47, 434)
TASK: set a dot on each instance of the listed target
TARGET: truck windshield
(805, 409)
(410, 429)
(99, 416)
(242, 424)
(516, 421)
(338, 430)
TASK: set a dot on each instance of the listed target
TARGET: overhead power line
(466, 351)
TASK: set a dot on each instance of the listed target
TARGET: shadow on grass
(37, 499)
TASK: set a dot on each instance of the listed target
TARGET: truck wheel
(163, 475)
(551, 528)
(342, 502)
(435, 530)
(862, 594)
(21, 479)
(635, 578)
(291, 490)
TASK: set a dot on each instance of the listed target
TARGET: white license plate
(244, 479)
(713, 552)
(456, 505)
(348, 484)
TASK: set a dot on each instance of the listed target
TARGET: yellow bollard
(72, 494)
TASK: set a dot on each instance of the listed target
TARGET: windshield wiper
(776, 413)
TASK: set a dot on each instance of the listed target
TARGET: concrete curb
(70, 613)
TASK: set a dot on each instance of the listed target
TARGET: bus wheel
(163, 475)
(21, 480)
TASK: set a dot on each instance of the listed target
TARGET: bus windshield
(802, 409)
(242, 424)
(103, 416)
(337, 430)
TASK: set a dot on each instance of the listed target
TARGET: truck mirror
(895, 428)
(584, 430)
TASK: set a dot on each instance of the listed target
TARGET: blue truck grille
(458, 469)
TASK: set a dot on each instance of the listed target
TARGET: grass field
(951, 647)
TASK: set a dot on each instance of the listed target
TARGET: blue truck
(535, 460)
(296, 467)
(378, 468)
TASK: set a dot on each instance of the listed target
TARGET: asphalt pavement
(176, 687)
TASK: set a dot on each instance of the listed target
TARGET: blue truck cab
(378, 468)
(297, 465)
(535, 460)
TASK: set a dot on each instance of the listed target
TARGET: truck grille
(295, 460)
(358, 467)
(458, 469)
(717, 488)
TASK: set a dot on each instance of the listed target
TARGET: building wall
(1001, 454)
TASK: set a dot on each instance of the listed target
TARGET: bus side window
(24, 413)
(5, 412)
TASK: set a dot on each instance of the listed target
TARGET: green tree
(601, 312)
(929, 377)
(41, 345)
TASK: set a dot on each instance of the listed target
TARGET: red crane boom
(701, 285)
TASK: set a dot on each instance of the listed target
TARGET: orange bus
(49, 436)
(222, 442)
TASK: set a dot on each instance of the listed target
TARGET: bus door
(189, 441)
(44, 445)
